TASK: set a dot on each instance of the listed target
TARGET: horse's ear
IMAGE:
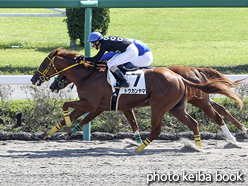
(55, 52)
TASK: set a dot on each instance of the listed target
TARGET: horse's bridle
(61, 83)
(44, 76)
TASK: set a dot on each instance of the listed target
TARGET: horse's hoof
(61, 137)
(69, 135)
(138, 150)
(232, 145)
(244, 130)
(39, 137)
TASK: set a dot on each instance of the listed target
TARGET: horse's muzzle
(36, 81)
(54, 89)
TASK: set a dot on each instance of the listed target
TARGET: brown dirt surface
(114, 162)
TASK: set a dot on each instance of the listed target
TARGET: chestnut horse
(197, 75)
(165, 91)
(212, 109)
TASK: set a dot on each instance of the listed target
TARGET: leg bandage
(138, 138)
(227, 133)
(143, 145)
(54, 129)
(198, 141)
(67, 119)
(75, 129)
(244, 129)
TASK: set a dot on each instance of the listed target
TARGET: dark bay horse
(165, 91)
(197, 75)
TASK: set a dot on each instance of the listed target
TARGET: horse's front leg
(73, 115)
(129, 114)
(90, 116)
(67, 120)
(83, 105)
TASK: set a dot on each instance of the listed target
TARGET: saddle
(127, 67)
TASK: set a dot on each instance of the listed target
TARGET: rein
(75, 77)
(44, 76)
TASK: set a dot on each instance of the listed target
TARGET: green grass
(204, 37)
(192, 37)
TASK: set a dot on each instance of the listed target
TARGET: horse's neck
(81, 74)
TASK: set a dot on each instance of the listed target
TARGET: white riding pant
(144, 60)
(130, 54)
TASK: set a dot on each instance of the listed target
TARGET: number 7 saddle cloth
(137, 85)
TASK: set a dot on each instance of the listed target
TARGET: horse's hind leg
(157, 114)
(186, 119)
(223, 112)
(206, 107)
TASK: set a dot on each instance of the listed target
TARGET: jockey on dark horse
(127, 50)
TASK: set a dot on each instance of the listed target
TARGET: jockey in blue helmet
(95, 36)
(126, 50)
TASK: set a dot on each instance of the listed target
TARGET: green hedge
(43, 110)
(75, 22)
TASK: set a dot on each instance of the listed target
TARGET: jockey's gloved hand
(80, 58)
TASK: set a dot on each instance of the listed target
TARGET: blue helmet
(95, 36)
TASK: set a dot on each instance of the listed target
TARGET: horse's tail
(210, 73)
(213, 86)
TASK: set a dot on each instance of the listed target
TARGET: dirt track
(114, 162)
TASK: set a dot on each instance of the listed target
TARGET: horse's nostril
(32, 81)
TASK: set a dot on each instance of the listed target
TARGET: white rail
(18, 80)
(25, 79)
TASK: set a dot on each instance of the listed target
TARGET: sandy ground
(114, 162)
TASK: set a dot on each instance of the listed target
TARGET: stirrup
(121, 85)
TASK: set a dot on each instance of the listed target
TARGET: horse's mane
(71, 55)
(66, 53)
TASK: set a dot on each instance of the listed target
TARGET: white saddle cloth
(136, 81)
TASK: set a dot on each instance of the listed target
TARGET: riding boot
(122, 81)
(117, 79)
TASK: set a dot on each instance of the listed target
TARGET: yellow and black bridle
(44, 73)
(44, 76)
